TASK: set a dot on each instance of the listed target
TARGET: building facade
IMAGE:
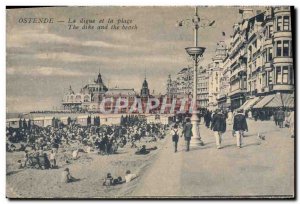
(171, 90)
(91, 96)
(215, 70)
(202, 92)
(238, 58)
(182, 86)
(260, 59)
(257, 63)
(223, 97)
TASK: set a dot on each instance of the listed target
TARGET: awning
(244, 104)
(275, 102)
(288, 100)
(281, 100)
(251, 103)
(264, 101)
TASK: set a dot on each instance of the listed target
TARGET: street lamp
(196, 53)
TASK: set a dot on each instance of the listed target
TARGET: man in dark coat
(207, 118)
(187, 133)
(239, 126)
(280, 117)
(218, 125)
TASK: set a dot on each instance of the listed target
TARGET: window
(286, 48)
(86, 99)
(270, 52)
(286, 23)
(279, 23)
(270, 78)
(250, 53)
(285, 74)
(270, 31)
(278, 75)
(255, 44)
(278, 49)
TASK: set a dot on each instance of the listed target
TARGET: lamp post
(196, 53)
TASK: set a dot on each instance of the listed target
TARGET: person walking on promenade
(207, 118)
(291, 120)
(239, 126)
(280, 117)
(229, 117)
(218, 125)
(187, 133)
(276, 117)
(175, 136)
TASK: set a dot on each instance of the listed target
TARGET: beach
(90, 169)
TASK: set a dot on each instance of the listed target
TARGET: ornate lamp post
(196, 53)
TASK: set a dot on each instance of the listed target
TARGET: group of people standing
(216, 121)
(186, 132)
(218, 125)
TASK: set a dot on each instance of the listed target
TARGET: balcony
(286, 59)
(281, 9)
(282, 34)
(268, 66)
(283, 87)
(231, 93)
(268, 41)
(256, 53)
(237, 71)
(267, 89)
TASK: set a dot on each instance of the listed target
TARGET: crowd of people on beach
(41, 144)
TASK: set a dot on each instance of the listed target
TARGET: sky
(43, 60)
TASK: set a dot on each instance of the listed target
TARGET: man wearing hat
(280, 117)
(187, 133)
(239, 126)
(218, 125)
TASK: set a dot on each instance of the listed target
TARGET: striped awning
(288, 100)
(264, 101)
(251, 103)
(244, 104)
(281, 100)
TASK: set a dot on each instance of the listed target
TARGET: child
(175, 136)
(52, 158)
(66, 176)
(20, 166)
(108, 181)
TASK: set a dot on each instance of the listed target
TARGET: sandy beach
(90, 169)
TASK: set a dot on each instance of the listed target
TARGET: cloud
(103, 44)
(28, 37)
(65, 57)
(117, 60)
(43, 71)
(29, 103)
(25, 37)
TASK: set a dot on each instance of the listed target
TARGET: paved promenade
(259, 168)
